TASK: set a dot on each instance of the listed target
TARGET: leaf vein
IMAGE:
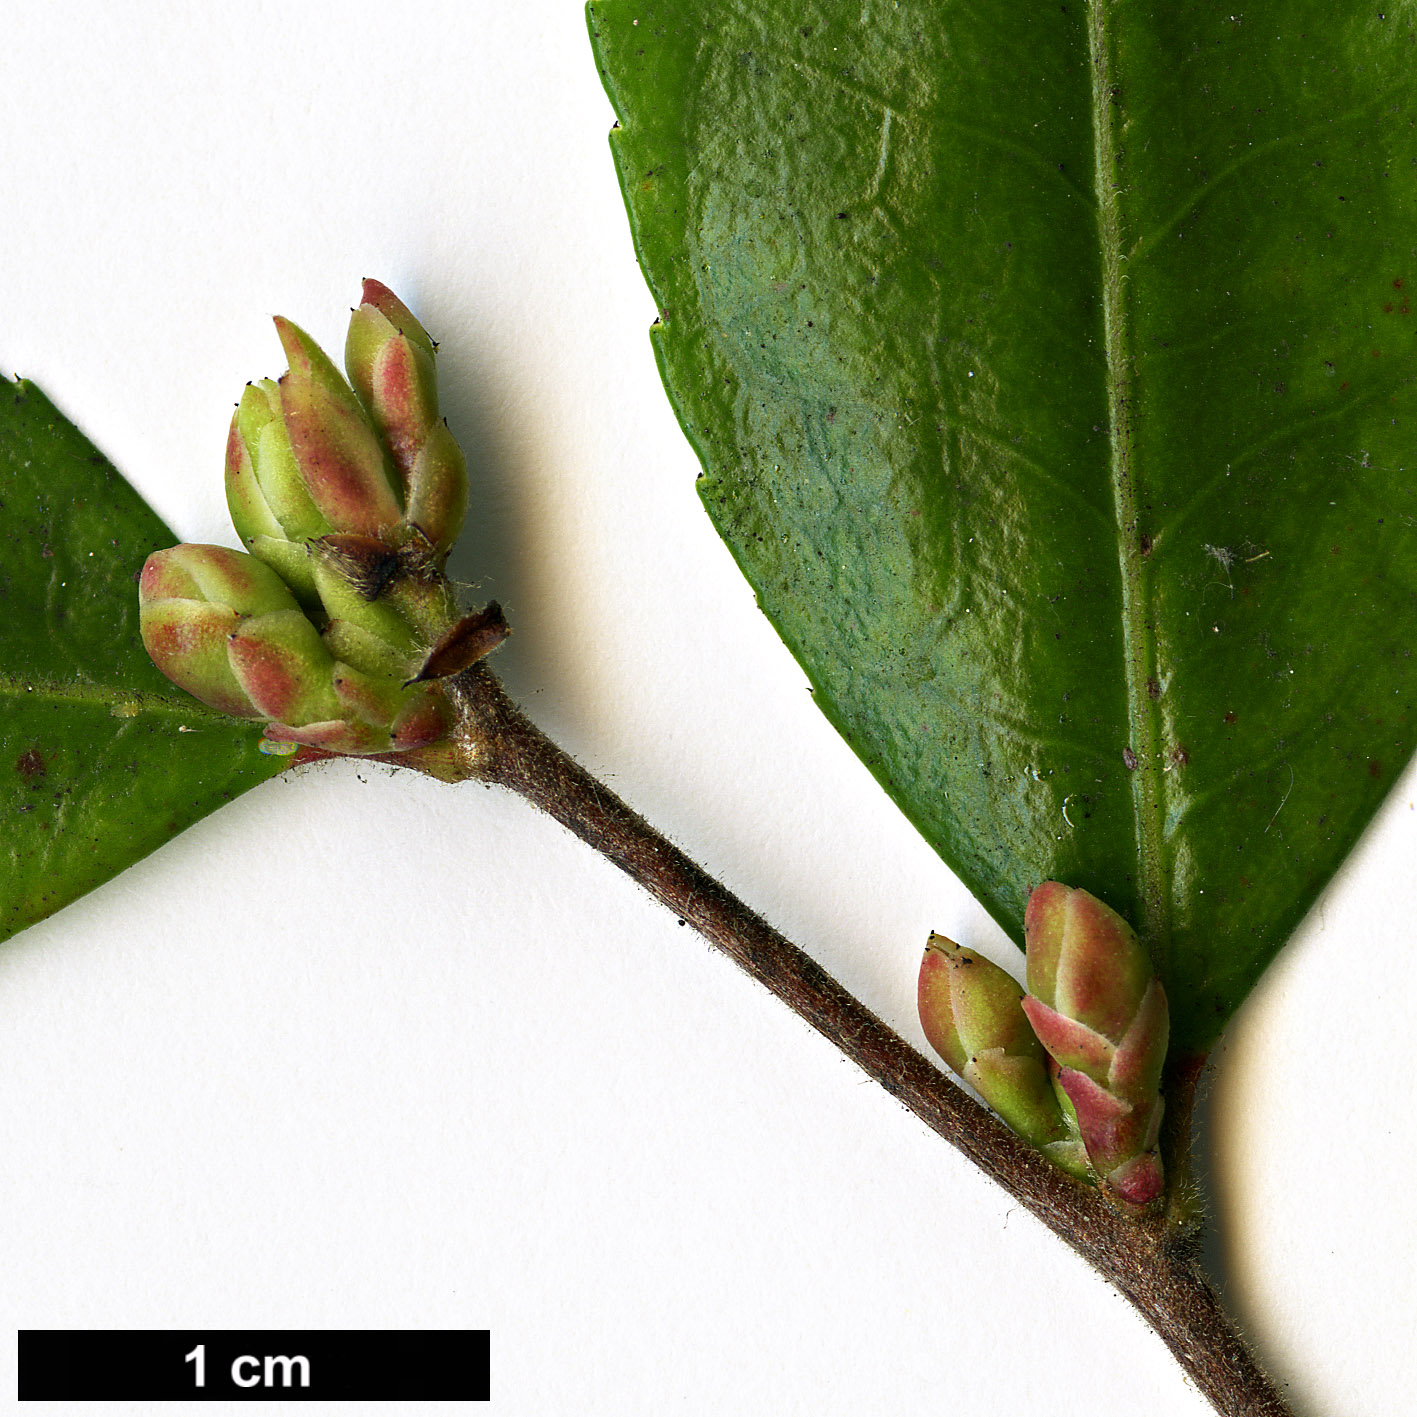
(113, 697)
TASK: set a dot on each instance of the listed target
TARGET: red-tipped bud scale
(391, 363)
(284, 667)
(1101, 1013)
(191, 600)
(379, 297)
(342, 464)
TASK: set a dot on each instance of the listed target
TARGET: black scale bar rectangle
(256, 1365)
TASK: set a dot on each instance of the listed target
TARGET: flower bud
(222, 625)
(191, 600)
(265, 492)
(284, 667)
(337, 626)
(342, 464)
(1101, 1013)
(391, 364)
(971, 1012)
(437, 488)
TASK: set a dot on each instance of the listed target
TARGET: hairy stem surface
(1152, 1261)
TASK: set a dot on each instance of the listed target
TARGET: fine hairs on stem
(1153, 1261)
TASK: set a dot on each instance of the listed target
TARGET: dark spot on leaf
(30, 765)
(1375, 768)
(1153, 688)
(1179, 756)
(1130, 759)
(1146, 544)
(1230, 717)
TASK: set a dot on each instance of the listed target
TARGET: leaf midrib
(1138, 643)
(27, 687)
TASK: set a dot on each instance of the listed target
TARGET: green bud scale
(971, 1011)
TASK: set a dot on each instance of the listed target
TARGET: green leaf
(101, 759)
(1051, 366)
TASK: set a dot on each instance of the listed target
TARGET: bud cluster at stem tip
(337, 624)
(1073, 1066)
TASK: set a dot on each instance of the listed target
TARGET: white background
(365, 1051)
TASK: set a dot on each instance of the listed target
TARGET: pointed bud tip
(298, 346)
(214, 574)
(1045, 899)
(286, 333)
(377, 294)
(234, 445)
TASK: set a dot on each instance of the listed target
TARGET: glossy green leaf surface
(1051, 367)
(101, 759)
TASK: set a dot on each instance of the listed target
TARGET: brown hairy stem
(1153, 1261)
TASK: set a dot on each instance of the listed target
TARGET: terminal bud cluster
(336, 625)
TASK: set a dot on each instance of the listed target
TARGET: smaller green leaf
(101, 759)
